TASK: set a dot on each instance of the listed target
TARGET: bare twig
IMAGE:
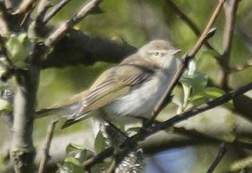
(230, 9)
(209, 25)
(206, 33)
(218, 158)
(230, 13)
(55, 10)
(24, 6)
(10, 4)
(104, 154)
(188, 21)
(45, 156)
(142, 134)
(65, 27)
(88, 51)
(181, 69)
(242, 165)
(112, 167)
(174, 120)
(4, 30)
(22, 149)
(43, 6)
(203, 107)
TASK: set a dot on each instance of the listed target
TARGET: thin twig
(104, 154)
(65, 27)
(218, 158)
(188, 21)
(203, 107)
(4, 30)
(142, 134)
(45, 155)
(174, 120)
(43, 6)
(205, 35)
(207, 28)
(24, 7)
(112, 167)
(180, 70)
(230, 9)
(55, 10)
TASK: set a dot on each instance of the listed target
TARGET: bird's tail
(64, 107)
(59, 111)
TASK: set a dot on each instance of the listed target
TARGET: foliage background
(136, 22)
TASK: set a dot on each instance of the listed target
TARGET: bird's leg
(112, 134)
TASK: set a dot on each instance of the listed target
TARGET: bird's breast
(141, 101)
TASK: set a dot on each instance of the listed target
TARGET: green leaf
(73, 161)
(18, 48)
(5, 106)
(197, 82)
(134, 129)
(214, 92)
(78, 152)
(193, 83)
(72, 147)
(70, 167)
(100, 143)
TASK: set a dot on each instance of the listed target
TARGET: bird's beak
(175, 51)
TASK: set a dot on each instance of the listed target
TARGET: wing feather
(113, 84)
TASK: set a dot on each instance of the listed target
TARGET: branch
(203, 107)
(4, 30)
(43, 6)
(79, 48)
(230, 9)
(45, 155)
(11, 4)
(174, 120)
(143, 134)
(24, 7)
(218, 158)
(188, 21)
(185, 59)
(55, 10)
(22, 149)
(242, 165)
(230, 13)
(65, 27)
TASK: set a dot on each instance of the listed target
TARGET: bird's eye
(156, 53)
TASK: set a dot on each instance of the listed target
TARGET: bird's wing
(112, 84)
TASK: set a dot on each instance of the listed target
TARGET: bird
(133, 87)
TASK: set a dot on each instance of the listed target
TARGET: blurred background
(135, 22)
